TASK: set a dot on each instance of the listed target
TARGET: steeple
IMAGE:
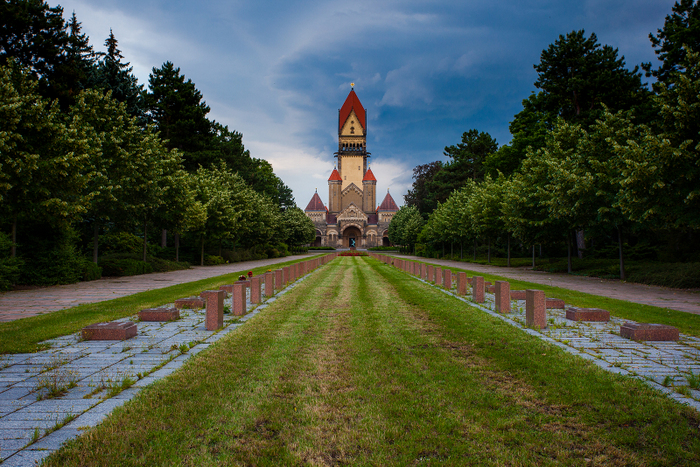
(352, 141)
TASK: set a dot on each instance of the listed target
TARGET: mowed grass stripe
(363, 365)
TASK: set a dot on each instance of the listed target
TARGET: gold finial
(352, 85)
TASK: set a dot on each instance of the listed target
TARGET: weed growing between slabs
(24, 335)
(362, 364)
(687, 323)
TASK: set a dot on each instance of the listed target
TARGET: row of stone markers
(655, 354)
(89, 378)
(252, 289)
(536, 303)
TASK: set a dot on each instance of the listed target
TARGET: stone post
(239, 305)
(478, 289)
(279, 281)
(502, 296)
(447, 281)
(215, 309)
(438, 276)
(287, 272)
(431, 273)
(535, 311)
(255, 289)
(462, 283)
(269, 284)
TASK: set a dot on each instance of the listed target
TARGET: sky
(425, 71)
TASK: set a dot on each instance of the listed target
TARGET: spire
(335, 176)
(315, 204)
(369, 176)
(388, 204)
(352, 102)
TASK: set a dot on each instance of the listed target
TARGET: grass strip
(25, 335)
(363, 365)
(687, 323)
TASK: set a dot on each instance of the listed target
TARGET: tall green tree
(420, 195)
(297, 229)
(577, 76)
(175, 107)
(36, 36)
(680, 34)
(114, 75)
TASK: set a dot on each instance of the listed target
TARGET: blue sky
(425, 71)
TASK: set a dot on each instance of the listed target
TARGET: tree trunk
(489, 254)
(508, 250)
(145, 238)
(95, 243)
(163, 238)
(13, 248)
(452, 250)
(623, 276)
(461, 250)
(443, 249)
(177, 247)
(220, 241)
(568, 252)
(475, 249)
(201, 256)
(533, 256)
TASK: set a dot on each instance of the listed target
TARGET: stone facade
(352, 218)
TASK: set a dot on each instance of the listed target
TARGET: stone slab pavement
(24, 303)
(663, 297)
(95, 377)
(670, 367)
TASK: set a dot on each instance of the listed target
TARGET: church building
(352, 218)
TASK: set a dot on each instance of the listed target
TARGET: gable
(352, 212)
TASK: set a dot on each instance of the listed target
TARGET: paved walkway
(24, 303)
(97, 377)
(663, 297)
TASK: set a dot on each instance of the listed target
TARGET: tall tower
(369, 193)
(352, 141)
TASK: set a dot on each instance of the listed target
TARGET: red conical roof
(388, 204)
(315, 204)
(369, 176)
(335, 176)
(352, 103)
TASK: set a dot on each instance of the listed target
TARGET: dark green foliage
(164, 265)
(54, 257)
(91, 271)
(578, 76)
(420, 194)
(681, 29)
(176, 108)
(38, 38)
(9, 267)
(116, 266)
(110, 74)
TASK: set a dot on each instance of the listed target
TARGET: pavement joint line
(598, 360)
(108, 356)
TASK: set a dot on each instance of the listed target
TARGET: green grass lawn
(687, 323)
(362, 364)
(25, 335)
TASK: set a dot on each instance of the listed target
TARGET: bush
(212, 260)
(10, 268)
(322, 248)
(677, 275)
(53, 259)
(164, 265)
(112, 266)
(121, 242)
(91, 271)
(419, 248)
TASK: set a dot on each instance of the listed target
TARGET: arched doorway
(352, 237)
(385, 238)
(317, 242)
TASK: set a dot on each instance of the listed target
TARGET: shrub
(91, 271)
(213, 260)
(121, 242)
(10, 268)
(53, 259)
(164, 265)
(124, 267)
(322, 248)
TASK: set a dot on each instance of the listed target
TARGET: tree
(578, 76)
(297, 228)
(419, 195)
(485, 209)
(405, 227)
(176, 108)
(680, 34)
(468, 157)
(43, 158)
(111, 74)
(37, 38)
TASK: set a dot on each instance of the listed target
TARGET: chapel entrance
(352, 237)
